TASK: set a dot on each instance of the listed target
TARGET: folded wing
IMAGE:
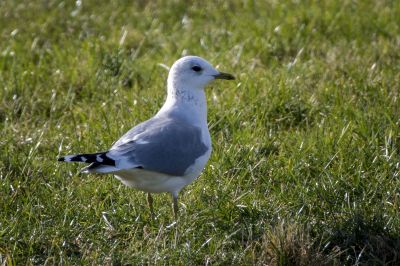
(164, 145)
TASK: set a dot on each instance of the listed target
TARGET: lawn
(305, 167)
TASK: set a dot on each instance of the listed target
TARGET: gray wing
(160, 144)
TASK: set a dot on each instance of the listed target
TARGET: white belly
(150, 181)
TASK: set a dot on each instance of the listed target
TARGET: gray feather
(161, 144)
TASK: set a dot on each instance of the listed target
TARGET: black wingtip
(61, 159)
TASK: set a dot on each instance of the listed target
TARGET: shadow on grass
(366, 242)
(359, 241)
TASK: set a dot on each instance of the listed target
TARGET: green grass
(306, 160)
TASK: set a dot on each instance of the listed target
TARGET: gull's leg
(175, 204)
(150, 202)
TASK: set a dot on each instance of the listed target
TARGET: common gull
(170, 150)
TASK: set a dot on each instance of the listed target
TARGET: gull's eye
(197, 68)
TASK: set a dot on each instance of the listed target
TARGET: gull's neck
(187, 104)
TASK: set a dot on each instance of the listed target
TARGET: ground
(306, 160)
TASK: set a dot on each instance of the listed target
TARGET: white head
(193, 72)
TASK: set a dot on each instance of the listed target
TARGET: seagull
(170, 150)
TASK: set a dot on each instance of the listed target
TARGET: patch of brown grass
(290, 244)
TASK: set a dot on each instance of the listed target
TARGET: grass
(305, 167)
